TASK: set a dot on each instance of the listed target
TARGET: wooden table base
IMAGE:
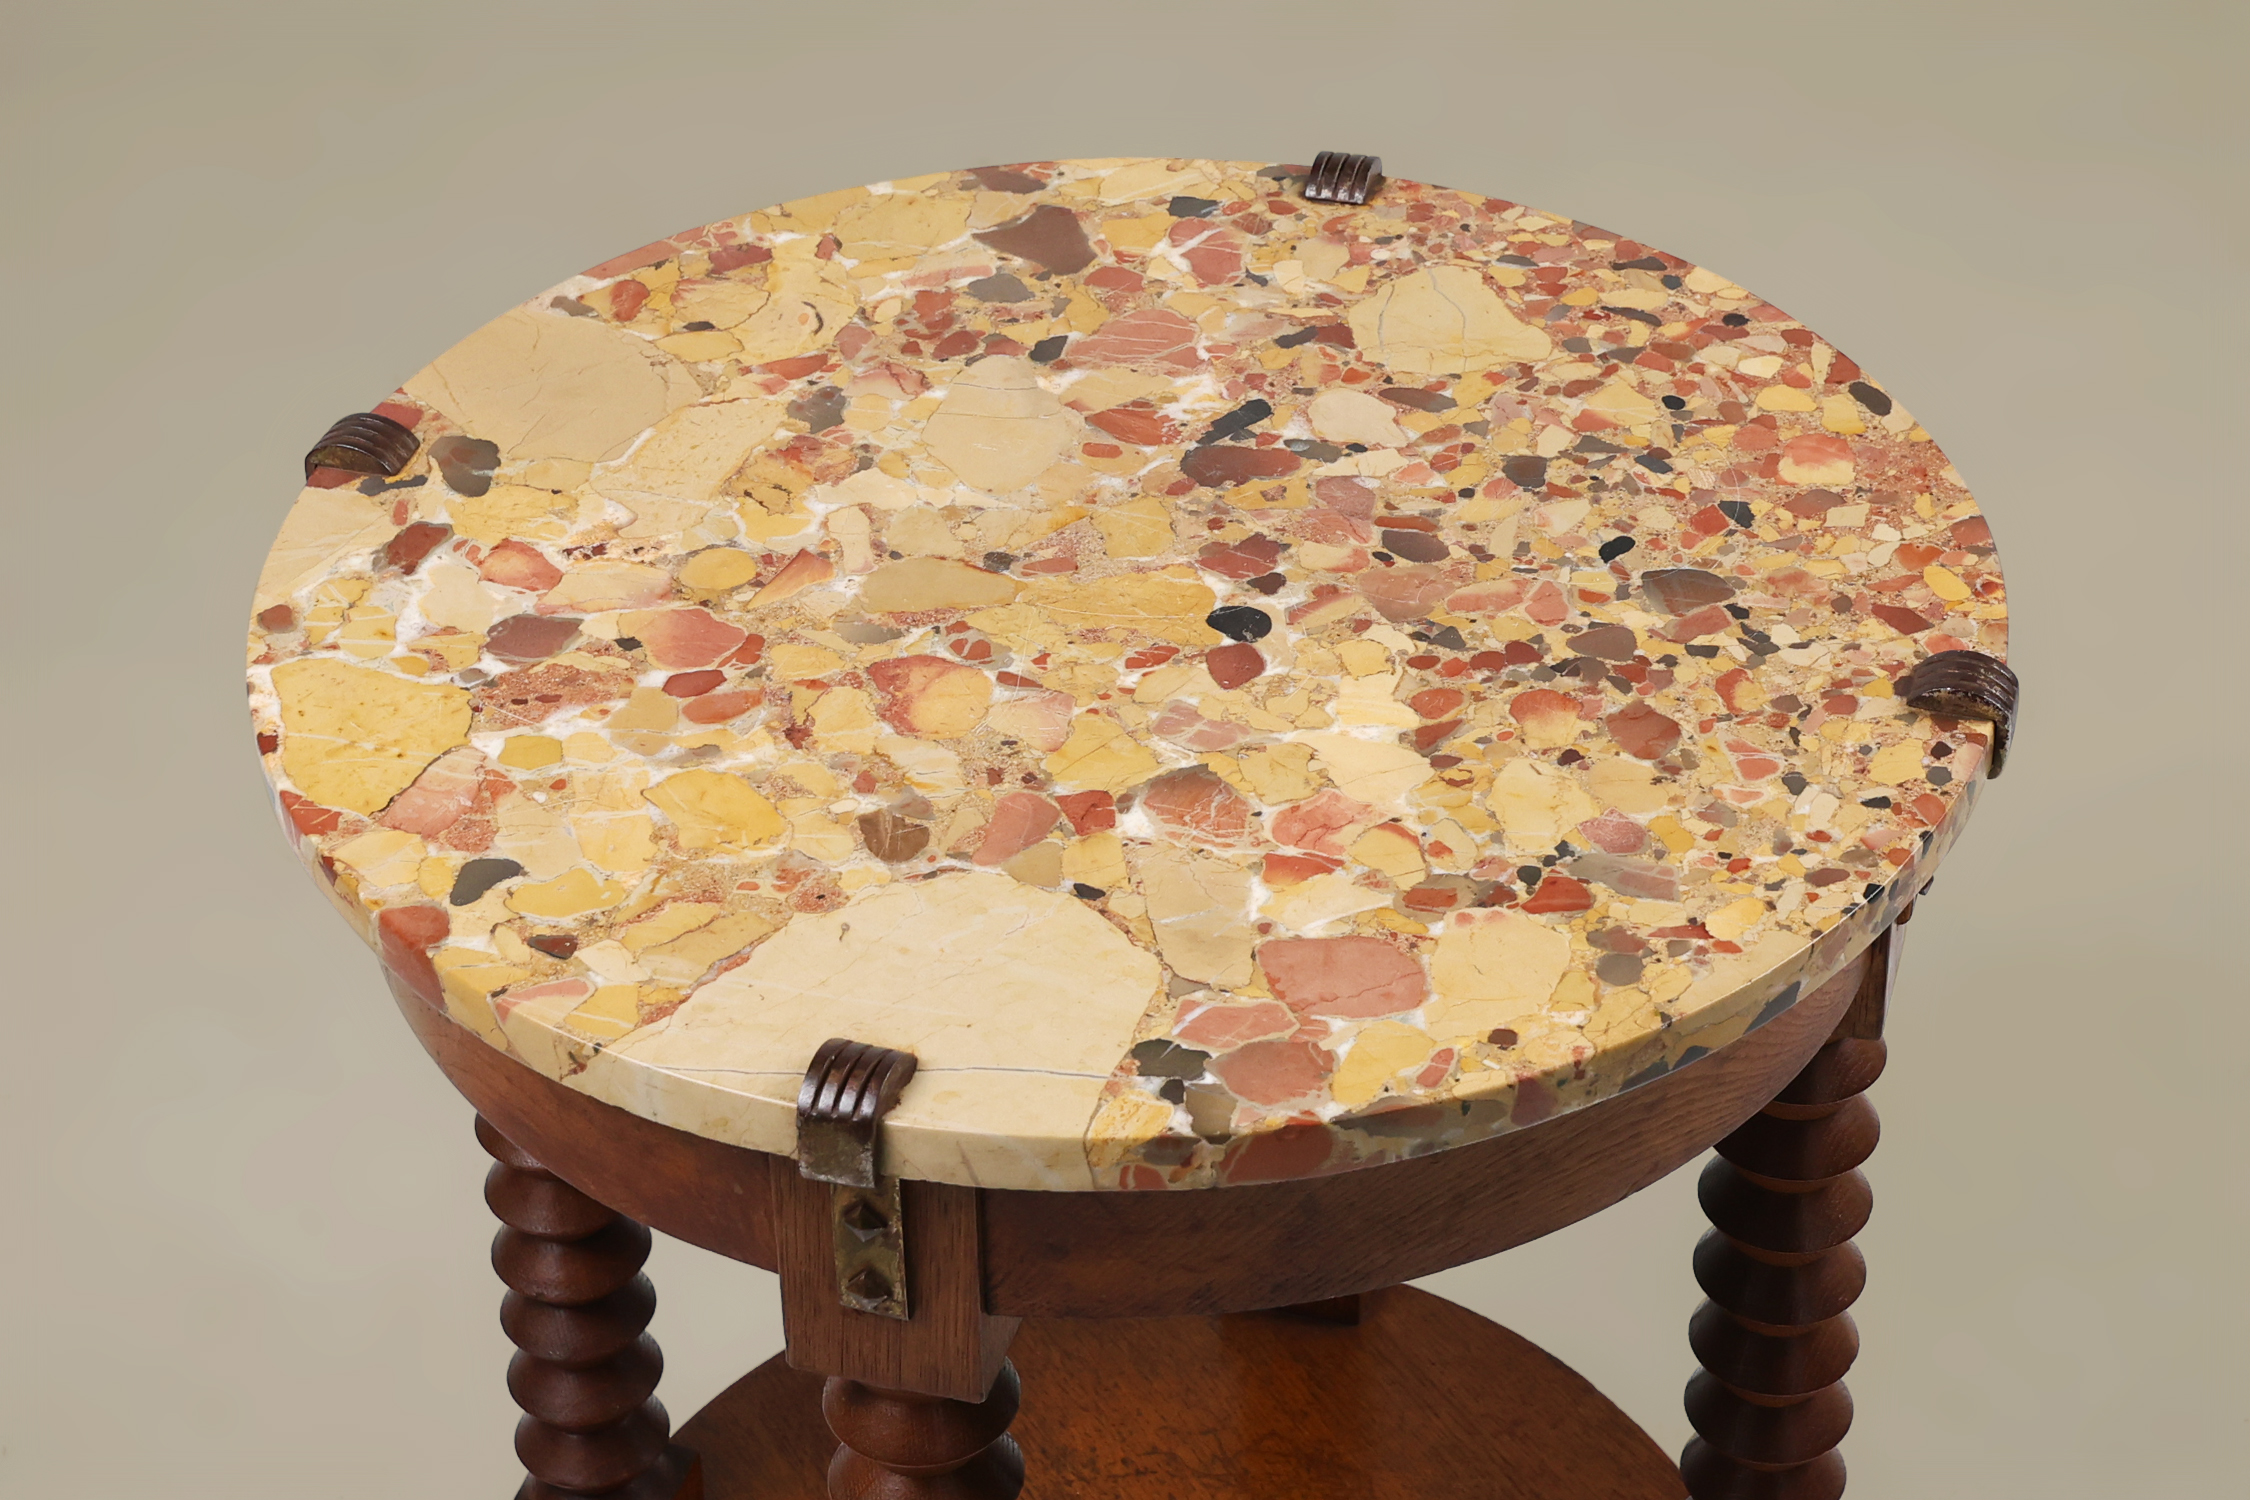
(1422, 1400)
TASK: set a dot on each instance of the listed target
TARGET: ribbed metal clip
(1337, 177)
(365, 443)
(848, 1088)
(1967, 685)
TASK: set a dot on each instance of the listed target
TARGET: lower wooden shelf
(1421, 1400)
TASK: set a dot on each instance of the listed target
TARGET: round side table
(1099, 762)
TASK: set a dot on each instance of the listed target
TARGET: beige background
(244, 1247)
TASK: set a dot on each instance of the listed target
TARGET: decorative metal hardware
(365, 443)
(848, 1088)
(1340, 178)
(1967, 685)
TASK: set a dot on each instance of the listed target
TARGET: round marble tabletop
(1240, 687)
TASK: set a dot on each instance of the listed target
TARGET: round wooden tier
(1421, 1400)
(1242, 688)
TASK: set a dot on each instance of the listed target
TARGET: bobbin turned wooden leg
(882, 1292)
(577, 1310)
(897, 1445)
(1785, 1198)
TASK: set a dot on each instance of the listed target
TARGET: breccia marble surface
(1241, 688)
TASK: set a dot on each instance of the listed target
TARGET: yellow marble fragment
(1380, 1051)
(1897, 764)
(1141, 604)
(355, 737)
(530, 752)
(717, 569)
(573, 893)
(1101, 755)
(713, 810)
(1492, 969)
(920, 583)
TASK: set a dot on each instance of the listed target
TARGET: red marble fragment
(1293, 1151)
(1252, 557)
(1678, 591)
(1535, 1101)
(1218, 464)
(1614, 833)
(309, 818)
(626, 299)
(1290, 869)
(1642, 731)
(519, 565)
(1316, 822)
(1817, 450)
(688, 637)
(717, 708)
(1194, 804)
(1901, 619)
(1137, 424)
(1536, 706)
(1559, 893)
(1050, 235)
(405, 935)
(413, 543)
(528, 638)
(439, 796)
(1221, 1028)
(1751, 762)
(1233, 665)
(1019, 820)
(277, 620)
(1491, 597)
(405, 413)
(693, 684)
(1274, 1072)
(734, 257)
(1214, 253)
(1089, 812)
(1406, 593)
(1343, 976)
(1437, 703)
(1709, 620)
(1156, 337)
(1546, 605)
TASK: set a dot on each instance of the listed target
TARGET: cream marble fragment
(998, 428)
(544, 385)
(320, 530)
(1018, 1003)
(1443, 320)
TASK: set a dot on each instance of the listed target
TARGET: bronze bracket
(849, 1086)
(1967, 685)
(1337, 177)
(366, 443)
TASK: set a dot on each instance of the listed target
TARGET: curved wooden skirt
(1159, 1254)
(1423, 1400)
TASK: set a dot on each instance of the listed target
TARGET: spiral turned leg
(900, 1446)
(1779, 1269)
(577, 1309)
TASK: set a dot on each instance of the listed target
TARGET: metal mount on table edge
(849, 1086)
(1339, 177)
(365, 442)
(1967, 685)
